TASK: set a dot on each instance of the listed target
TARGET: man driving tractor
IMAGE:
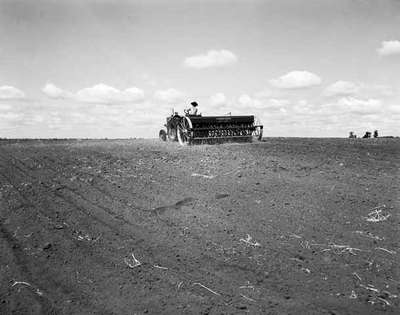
(192, 110)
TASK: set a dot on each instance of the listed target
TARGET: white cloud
(218, 99)
(133, 94)
(5, 107)
(53, 91)
(303, 107)
(249, 102)
(335, 118)
(213, 58)
(169, 96)
(37, 118)
(85, 118)
(11, 117)
(395, 109)
(296, 80)
(391, 47)
(356, 106)
(266, 93)
(379, 90)
(359, 106)
(303, 103)
(10, 92)
(360, 90)
(99, 93)
(246, 100)
(341, 88)
(274, 103)
(102, 93)
(253, 103)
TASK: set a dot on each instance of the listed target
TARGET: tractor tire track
(46, 305)
(178, 269)
(194, 265)
(195, 271)
(50, 279)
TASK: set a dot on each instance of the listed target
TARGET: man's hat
(194, 104)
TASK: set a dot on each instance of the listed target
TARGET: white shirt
(192, 110)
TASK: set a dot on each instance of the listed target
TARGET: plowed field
(283, 226)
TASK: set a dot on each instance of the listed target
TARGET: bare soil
(283, 226)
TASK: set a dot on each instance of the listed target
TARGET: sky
(115, 69)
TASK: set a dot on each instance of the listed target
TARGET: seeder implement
(197, 129)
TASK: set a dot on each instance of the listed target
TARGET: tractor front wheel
(172, 134)
(162, 135)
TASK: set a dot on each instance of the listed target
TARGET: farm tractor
(198, 129)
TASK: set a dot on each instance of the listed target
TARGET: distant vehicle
(352, 135)
(198, 129)
(367, 135)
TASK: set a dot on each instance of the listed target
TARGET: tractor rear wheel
(184, 132)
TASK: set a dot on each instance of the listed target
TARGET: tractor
(197, 129)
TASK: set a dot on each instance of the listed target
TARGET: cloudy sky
(116, 68)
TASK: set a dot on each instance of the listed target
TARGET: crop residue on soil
(285, 226)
